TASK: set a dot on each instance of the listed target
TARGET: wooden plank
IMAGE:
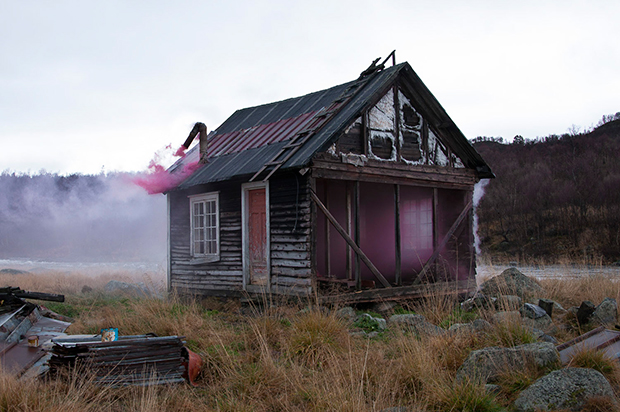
(328, 266)
(401, 292)
(350, 241)
(445, 239)
(397, 237)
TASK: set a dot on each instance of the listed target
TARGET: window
(205, 225)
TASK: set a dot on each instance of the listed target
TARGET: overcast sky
(88, 86)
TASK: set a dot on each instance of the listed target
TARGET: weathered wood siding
(223, 277)
(290, 213)
(289, 239)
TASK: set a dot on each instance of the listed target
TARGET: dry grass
(280, 358)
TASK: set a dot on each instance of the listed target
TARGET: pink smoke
(158, 179)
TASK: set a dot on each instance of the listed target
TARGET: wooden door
(257, 236)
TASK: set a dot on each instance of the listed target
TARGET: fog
(80, 218)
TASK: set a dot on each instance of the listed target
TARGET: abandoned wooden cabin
(361, 190)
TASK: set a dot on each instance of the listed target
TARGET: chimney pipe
(202, 129)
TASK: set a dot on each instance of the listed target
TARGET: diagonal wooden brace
(350, 241)
(444, 241)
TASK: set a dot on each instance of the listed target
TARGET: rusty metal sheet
(601, 339)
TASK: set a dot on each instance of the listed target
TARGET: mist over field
(82, 218)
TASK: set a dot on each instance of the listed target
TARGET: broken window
(205, 224)
(381, 121)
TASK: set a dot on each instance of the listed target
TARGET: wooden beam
(435, 219)
(349, 261)
(402, 292)
(350, 241)
(328, 266)
(445, 240)
(397, 239)
(356, 220)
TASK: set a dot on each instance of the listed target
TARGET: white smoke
(478, 194)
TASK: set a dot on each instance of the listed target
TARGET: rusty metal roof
(251, 137)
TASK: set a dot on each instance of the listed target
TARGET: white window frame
(205, 197)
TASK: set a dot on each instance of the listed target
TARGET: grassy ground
(293, 357)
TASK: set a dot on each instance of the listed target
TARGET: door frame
(245, 244)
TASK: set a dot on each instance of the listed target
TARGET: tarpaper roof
(253, 136)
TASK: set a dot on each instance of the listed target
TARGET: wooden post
(361, 255)
(311, 187)
(349, 261)
(435, 220)
(397, 270)
(356, 222)
(397, 141)
(328, 266)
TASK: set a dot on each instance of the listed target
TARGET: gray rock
(508, 302)
(543, 323)
(532, 311)
(512, 316)
(487, 364)
(542, 336)
(415, 323)
(480, 301)
(511, 282)
(563, 389)
(547, 305)
(606, 313)
(478, 325)
(133, 289)
(347, 313)
(585, 311)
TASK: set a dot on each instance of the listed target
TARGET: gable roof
(252, 136)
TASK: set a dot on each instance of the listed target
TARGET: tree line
(556, 196)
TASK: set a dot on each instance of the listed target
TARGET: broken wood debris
(130, 360)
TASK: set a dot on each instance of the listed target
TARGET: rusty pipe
(202, 129)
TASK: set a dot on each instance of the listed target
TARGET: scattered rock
(347, 313)
(415, 323)
(568, 388)
(585, 311)
(492, 389)
(480, 301)
(86, 289)
(488, 364)
(374, 323)
(508, 302)
(606, 313)
(547, 305)
(542, 336)
(511, 316)
(543, 323)
(532, 311)
(511, 282)
(478, 325)
(137, 289)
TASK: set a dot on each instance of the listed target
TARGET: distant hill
(554, 197)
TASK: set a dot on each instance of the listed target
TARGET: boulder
(532, 311)
(606, 313)
(564, 389)
(487, 364)
(478, 325)
(133, 289)
(346, 313)
(543, 323)
(511, 316)
(508, 302)
(377, 324)
(415, 323)
(585, 311)
(480, 301)
(511, 282)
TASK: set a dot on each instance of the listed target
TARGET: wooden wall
(290, 239)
